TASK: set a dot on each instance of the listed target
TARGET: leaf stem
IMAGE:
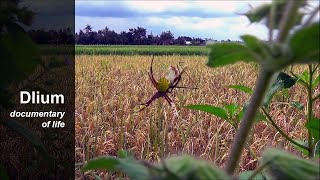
(280, 130)
(299, 79)
(315, 68)
(309, 115)
(248, 120)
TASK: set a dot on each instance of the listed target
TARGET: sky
(220, 20)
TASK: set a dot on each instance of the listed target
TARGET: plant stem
(247, 143)
(313, 13)
(248, 120)
(288, 20)
(258, 170)
(271, 20)
(309, 115)
(280, 130)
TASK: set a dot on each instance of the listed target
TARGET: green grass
(140, 50)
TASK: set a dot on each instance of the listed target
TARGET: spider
(165, 84)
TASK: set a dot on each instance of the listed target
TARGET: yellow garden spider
(165, 84)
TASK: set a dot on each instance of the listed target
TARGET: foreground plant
(272, 56)
(302, 46)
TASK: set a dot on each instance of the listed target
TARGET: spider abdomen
(163, 84)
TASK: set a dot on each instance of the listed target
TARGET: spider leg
(168, 99)
(154, 97)
(184, 87)
(177, 79)
(154, 82)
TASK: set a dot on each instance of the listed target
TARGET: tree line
(61, 36)
(134, 36)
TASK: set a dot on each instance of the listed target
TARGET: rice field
(139, 50)
(110, 87)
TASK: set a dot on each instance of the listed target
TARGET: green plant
(19, 58)
(137, 50)
(22, 68)
(284, 81)
(301, 46)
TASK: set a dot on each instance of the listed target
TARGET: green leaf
(316, 82)
(217, 111)
(304, 44)
(133, 168)
(273, 89)
(304, 77)
(30, 136)
(255, 46)
(302, 150)
(56, 63)
(232, 109)
(262, 12)
(259, 116)
(283, 165)
(314, 126)
(123, 154)
(246, 174)
(258, 13)
(3, 173)
(129, 166)
(287, 80)
(187, 167)
(19, 55)
(228, 53)
(242, 88)
(297, 105)
(283, 81)
(108, 163)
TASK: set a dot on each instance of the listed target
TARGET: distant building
(188, 42)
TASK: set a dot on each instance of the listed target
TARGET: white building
(188, 42)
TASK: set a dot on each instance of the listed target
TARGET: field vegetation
(110, 87)
(140, 50)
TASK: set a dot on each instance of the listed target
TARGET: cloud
(205, 19)
(103, 9)
(204, 9)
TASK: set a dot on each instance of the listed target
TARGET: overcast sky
(205, 19)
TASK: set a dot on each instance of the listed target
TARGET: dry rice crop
(108, 89)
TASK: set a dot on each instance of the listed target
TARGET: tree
(166, 37)
(180, 41)
(134, 36)
(123, 39)
(88, 28)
